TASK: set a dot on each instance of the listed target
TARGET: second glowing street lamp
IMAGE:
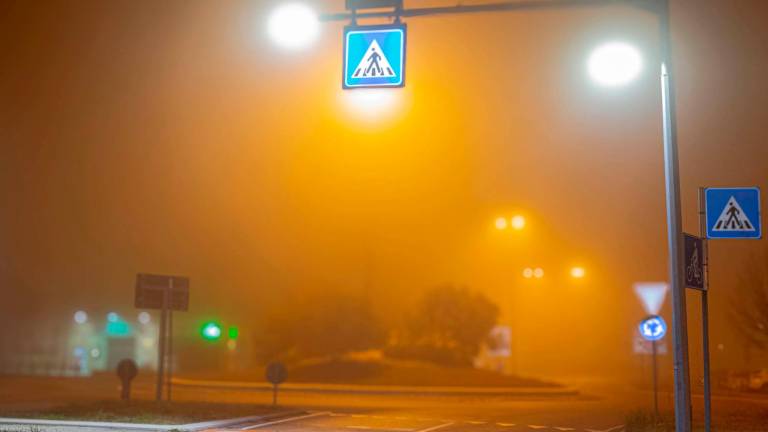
(294, 26)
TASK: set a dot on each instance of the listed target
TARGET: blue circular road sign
(653, 328)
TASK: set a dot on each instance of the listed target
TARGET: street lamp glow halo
(614, 64)
(293, 26)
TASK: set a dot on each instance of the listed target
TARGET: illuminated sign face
(653, 328)
(374, 56)
(733, 213)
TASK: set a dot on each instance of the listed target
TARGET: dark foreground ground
(601, 406)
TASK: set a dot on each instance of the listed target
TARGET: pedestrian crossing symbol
(374, 56)
(733, 213)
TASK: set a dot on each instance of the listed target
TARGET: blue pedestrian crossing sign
(374, 56)
(653, 328)
(733, 213)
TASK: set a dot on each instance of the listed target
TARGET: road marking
(359, 415)
(536, 427)
(560, 428)
(381, 429)
(606, 430)
(475, 422)
(505, 424)
(337, 414)
(440, 426)
(261, 425)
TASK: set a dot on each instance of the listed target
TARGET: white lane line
(505, 424)
(440, 426)
(607, 430)
(475, 422)
(285, 420)
(359, 415)
(536, 427)
(337, 414)
(380, 428)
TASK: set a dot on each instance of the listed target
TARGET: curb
(384, 390)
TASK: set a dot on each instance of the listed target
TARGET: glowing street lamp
(211, 331)
(501, 223)
(614, 64)
(578, 272)
(517, 222)
(293, 26)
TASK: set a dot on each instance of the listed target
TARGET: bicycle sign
(694, 262)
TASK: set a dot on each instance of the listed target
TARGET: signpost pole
(170, 341)
(705, 311)
(655, 382)
(682, 388)
(161, 348)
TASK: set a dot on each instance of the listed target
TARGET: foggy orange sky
(172, 137)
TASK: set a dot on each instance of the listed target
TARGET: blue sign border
(356, 28)
(733, 235)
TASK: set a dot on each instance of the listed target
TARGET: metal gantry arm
(660, 8)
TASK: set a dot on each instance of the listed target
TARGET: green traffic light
(233, 332)
(211, 331)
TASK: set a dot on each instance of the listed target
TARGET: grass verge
(145, 412)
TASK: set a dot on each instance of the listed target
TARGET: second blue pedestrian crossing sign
(733, 213)
(374, 56)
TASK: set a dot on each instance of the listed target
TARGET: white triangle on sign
(652, 295)
(733, 218)
(374, 64)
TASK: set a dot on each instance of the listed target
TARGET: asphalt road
(396, 421)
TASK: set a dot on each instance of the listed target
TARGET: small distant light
(501, 223)
(518, 222)
(144, 318)
(528, 273)
(538, 273)
(95, 353)
(233, 333)
(720, 347)
(113, 317)
(232, 344)
(211, 331)
(578, 272)
(81, 317)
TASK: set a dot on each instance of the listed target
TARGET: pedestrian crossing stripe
(733, 218)
(374, 63)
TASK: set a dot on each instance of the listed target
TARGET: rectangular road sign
(151, 288)
(733, 213)
(374, 56)
(694, 262)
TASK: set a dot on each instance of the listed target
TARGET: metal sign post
(653, 329)
(167, 293)
(705, 310)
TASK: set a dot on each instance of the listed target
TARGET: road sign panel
(733, 213)
(151, 288)
(694, 262)
(374, 56)
(652, 295)
(653, 328)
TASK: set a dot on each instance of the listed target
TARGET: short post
(276, 374)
